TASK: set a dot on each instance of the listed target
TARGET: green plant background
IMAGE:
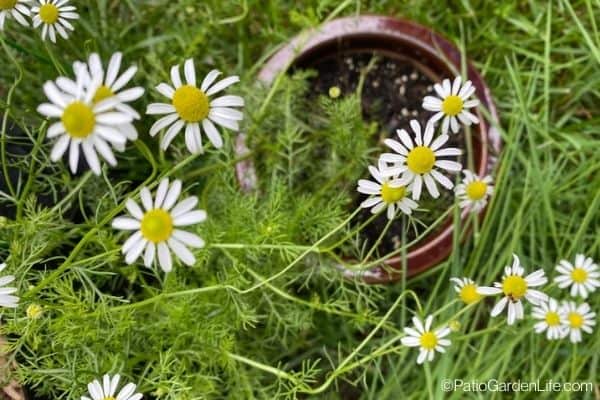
(222, 329)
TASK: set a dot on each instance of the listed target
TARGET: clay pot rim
(424, 39)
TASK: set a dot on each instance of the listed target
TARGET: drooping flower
(16, 9)
(111, 85)
(452, 104)
(580, 318)
(552, 319)
(418, 162)
(156, 226)
(108, 388)
(473, 192)
(84, 125)
(385, 193)
(428, 340)
(467, 290)
(514, 287)
(54, 16)
(582, 277)
(191, 107)
(7, 299)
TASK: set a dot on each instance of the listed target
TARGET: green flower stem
(3, 132)
(379, 261)
(31, 174)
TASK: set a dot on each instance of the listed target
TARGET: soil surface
(392, 93)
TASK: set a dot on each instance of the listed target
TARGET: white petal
(182, 252)
(190, 72)
(164, 257)
(222, 84)
(190, 218)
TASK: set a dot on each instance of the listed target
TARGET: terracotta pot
(438, 59)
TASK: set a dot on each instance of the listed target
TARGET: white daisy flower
(191, 107)
(579, 318)
(6, 297)
(429, 341)
(473, 191)
(385, 193)
(156, 226)
(83, 123)
(552, 318)
(54, 16)
(452, 104)
(15, 8)
(107, 389)
(418, 164)
(467, 290)
(514, 287)
(111, 85)
(582, 277)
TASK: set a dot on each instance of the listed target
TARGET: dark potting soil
(392, 92)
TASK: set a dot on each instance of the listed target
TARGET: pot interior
(391, 95)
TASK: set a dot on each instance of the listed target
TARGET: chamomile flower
(385, 193)
(582, 277)
(514, 288)
(473, 191)
(579, 318)
(107, 389)
(156, 226)
(452, 104)
(16, 9)
(54, 16)
(191, 107)
(428, 340)
(111, 85)
(6, 297)
(467, 290)
(418, 162)
(84, 125)
(552, 319)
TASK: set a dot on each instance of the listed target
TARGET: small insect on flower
(428, 340)
(582, 276)
(515, 287)
(467, 290)
(53, 15)
(553, 319)
(473, 192)
(156, 226)
(15, 8)
(418, 162)
(579, 318)
(385, 193)
(452, 104)
(6, 297)
(107, 389)
(112, 85)
(83, 124)
(192, 107)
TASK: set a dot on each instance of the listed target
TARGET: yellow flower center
(420, 160)
(452, 105)
(49, 13)
(191, 103)
(514, 286)
(79, 120)
(157, 225)
(429, 340)
(7, 4)
(109, 398)
(575, 320)
(102, 93)
(34, 311)
(392, 194)
(579, 275)
(468, 294)
(476, 190)
(552, 318)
